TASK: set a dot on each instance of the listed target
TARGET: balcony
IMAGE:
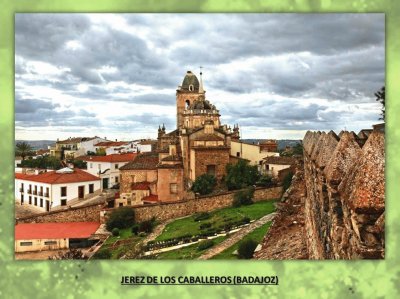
(46, 195)
(29, 191)
(40, 193)
(34, 192)
(21, 190)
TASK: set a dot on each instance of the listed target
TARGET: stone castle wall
(345, 202)
(88, 213)
(178, 209)
(162, 211)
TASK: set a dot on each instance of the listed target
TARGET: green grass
(187, 253)
(257, 235)
(124, 233)
(218, 218)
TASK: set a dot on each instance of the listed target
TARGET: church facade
(199, 144)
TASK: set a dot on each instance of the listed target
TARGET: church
(198, 145)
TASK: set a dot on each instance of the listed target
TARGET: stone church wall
(345, 203)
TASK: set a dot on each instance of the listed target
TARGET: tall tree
(23, 149)
(380, 97)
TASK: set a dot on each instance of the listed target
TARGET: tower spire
(201, 90)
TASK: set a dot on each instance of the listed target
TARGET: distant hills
(38, 144)
(43, 144)
(281, 143)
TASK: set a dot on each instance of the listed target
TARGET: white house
(120, 147)
(272, 165)
(107, 167)
(55, 188)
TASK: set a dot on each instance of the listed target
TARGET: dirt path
(236, 237)
(157, 231)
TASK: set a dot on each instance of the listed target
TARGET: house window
(41, 202)
(63, 191)
(47, 192)
(211, 169)
(25, 243)
(173, 188)
(116, 179)
(63, 202)
(237, 154)
(35, 201)
(260, 162)
(30, 200)
(91, 188)
(22, 199)
(121, 204)
(91, 165)
(116, 166)
(50, 242)
(22, 187)
(191, 87)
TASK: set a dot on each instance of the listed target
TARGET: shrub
(205, 225)
(205, 244)
(245, 220)
(102, 254)
(135, 229)
(147, 226)
(115, 231)
(121, 217)
(246, 249)
(287, 181)
(202, 216)
(265, 181)
(243, 197)
(204, 184)
(241, 175)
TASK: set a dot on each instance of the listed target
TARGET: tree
(43, 163)
(204, 184)
(121, 217)
(246, 249)
(23, 149)
(380, 97)
(241, 175)
(243, 197)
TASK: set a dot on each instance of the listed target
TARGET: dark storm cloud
(335, 57)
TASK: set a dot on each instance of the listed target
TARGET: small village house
(54, 236)
(51, 189)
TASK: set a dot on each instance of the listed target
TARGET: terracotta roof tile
(111, 158)
(79, 230)
(150, 198)
(52, 177)
(111, 143)
(143, 161)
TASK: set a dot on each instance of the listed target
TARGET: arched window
(191, 87)
(187, 104)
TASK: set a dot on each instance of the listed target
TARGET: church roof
(190, 79)
(145, 161)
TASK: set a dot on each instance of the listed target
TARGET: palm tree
(23, 149)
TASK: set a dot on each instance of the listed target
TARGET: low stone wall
(345, 203)
(89, 213)
(178, 209)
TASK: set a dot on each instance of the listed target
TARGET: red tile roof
(140, 186)
(144, 161)
(52, 177)
(111, 158)
(151, 197)
(29, 231)
(111, 143)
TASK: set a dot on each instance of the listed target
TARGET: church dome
(190, 82)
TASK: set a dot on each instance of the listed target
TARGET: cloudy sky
(276, 75)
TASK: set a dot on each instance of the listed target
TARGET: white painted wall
(112, 173)
(54, 192)
(89, 145)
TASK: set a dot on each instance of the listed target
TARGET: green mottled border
(298, 279)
